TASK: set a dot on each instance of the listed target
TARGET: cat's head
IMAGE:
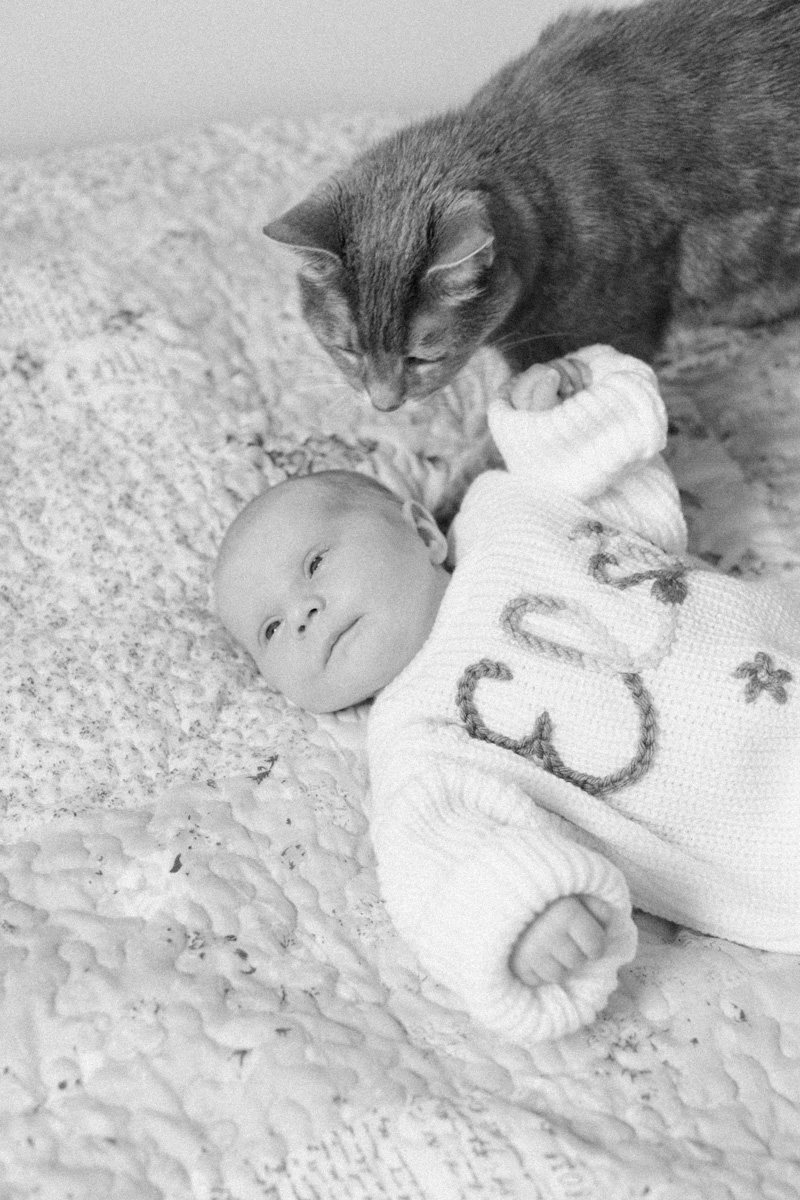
(400, 285)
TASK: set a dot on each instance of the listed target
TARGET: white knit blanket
(201, 997)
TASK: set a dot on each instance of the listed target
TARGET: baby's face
(332, 600)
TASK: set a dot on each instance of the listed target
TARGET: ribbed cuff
(589, 441)
(463, 888)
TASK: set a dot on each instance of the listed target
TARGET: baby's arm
(468, 863)
(570, 933)
(600, 443)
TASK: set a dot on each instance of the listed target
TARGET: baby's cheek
(273, 674)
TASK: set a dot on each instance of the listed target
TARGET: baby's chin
(341, 696)
(330, 698)
(368, 667)
(338, 701)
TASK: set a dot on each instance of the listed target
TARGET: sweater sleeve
(601, 446)
(465, 863)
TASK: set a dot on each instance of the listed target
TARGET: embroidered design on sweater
(515, 610)
(668, 588)
(669, 584)
(610, 649)
(538, 745)
(763, 676)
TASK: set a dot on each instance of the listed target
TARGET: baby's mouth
(338, 637)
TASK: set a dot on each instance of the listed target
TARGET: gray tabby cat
(635, 165)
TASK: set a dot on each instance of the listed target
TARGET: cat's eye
(413, 361)
(347, 352)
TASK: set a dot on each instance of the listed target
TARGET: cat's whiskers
(510, 342)
(316, 385)
(329, 387)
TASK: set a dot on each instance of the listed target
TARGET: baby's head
(332, 583)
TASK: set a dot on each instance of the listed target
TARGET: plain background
(76, 72)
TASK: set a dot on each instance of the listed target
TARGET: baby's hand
(574, 376)
(544, 386)
(567, 935)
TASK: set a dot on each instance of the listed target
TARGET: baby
(578, 716)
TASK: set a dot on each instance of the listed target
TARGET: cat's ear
(311, 229)
(463, 250)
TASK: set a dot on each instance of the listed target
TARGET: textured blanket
(201, 997)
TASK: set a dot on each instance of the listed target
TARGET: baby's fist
(573, 376)
(545, 385)
(569, 933)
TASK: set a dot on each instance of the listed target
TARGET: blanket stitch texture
(202, 995)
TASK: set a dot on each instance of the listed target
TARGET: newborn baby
(333, 584)
(579, 709)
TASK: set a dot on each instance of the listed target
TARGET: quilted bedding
(200, 993)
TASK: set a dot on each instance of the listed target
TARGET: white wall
(79, 71)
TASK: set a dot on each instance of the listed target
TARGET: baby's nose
(307, 612)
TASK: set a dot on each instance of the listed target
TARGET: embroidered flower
(669, 585)
(763, 676)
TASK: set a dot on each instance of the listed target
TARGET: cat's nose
(386, 397)
(384, 384)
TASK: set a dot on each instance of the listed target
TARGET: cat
(635, 166)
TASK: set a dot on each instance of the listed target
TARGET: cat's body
(635, 165)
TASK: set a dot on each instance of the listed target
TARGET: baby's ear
(427, 530)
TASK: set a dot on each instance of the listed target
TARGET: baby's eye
(269, 630)
(314, 563)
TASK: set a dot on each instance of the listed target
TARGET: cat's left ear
(311, 229)
(463, 250)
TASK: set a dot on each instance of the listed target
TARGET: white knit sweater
(593, 712)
